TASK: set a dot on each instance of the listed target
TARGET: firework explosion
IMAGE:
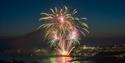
(63, 29)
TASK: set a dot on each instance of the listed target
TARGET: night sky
(105, 17)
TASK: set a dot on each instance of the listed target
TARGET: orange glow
(64, 53)
(64, 59)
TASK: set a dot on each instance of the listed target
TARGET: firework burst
(63, 29)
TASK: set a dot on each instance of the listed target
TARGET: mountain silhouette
(30, 40)
(36, 39)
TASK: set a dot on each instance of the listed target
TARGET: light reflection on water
(70, 60)
(59, 60)
(63, 60)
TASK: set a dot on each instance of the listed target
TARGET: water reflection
(71, 60)
(58, 60)
(65, 60)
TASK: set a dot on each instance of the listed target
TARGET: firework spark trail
(63, 29)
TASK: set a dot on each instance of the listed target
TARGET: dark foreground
(54, 60)
(102, 57)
